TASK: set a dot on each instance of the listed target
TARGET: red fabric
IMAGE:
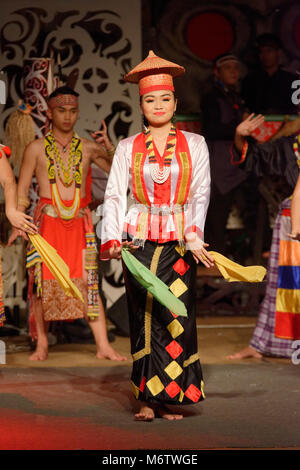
(143, 383)
(181, 267)
(287, 325)
(193, 393)
(67, 237)
(172, 389)
(182, 146)
(105, 247)
(145, 90)
(7, 151)
(243, 156)
(194, 229)
(162, 192)
(139, 146)
(286, 212)
(174, 349)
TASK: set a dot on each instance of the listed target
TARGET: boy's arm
(102, 150)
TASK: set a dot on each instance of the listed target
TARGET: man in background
(267, 90)
(223, 109)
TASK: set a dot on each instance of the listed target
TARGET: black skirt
(166, 366)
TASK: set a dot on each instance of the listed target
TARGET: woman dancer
(167, 173)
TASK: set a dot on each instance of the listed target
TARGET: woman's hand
(116, 251)
(197, 247)
(246, 127)
(21, 221)
(295, 235)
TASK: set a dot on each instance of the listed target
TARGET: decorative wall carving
(96, 43)
(169, 35)
(96, 47)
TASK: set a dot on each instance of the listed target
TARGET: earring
(173, 120)
(145, 123)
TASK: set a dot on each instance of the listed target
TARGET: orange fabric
(289, 255)
(162, 81)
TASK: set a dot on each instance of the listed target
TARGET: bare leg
(104, 349)
(146, 413)
(41, 351)
(98, 327)
(246, 353)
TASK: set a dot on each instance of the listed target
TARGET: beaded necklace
(160, 175)
(68, 173)
(65, 212)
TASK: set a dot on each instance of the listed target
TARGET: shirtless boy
(61, 163)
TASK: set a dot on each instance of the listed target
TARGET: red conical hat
(154, 73)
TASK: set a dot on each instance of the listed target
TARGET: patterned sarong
(70, 239)
(288, 293)
(166, 366)
(264, 339)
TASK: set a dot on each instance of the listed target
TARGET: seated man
(61, 164)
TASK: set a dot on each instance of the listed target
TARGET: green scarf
(153, 284)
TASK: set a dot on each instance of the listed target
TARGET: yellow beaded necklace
(65, 212)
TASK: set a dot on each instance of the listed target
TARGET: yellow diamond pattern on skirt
(178, 287)
(155, 386)
(135, 390)
(181, 396)
(180, 249)
(175, 328)
(202, 388)
(173, 370)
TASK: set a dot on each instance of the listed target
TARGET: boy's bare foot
(246, 353)
(146, 414)
(41, 353)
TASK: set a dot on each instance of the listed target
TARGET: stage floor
(74, 401)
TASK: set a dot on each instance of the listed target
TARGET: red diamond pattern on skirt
(181, 267)
(142, 385)
(174, 314)
(174, 349)
(193, 393)
(172, 389)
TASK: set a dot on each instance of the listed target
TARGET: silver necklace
(159, 175)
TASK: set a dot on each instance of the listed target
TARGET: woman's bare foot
(146, 414)
(40, 353)
(163, 412)
(246, 353)
(109, 353)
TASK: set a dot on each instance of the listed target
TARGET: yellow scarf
(234, 272)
